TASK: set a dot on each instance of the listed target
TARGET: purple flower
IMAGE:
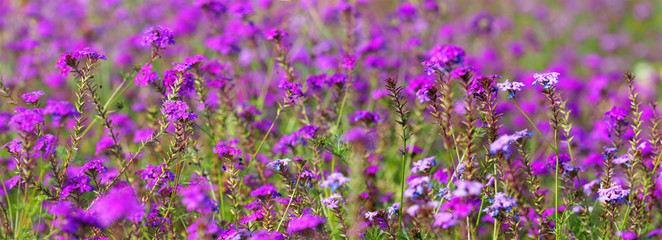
(546, 80)
(416, 187)
(624, 159)
(32, 97)
(423, 94)
(14, 146)
(267, 235)
(159, 37)
(95, 166)
(613, 195)
(279, 163)
(196, 198)
(371, 215)
(146, 76)
(143, 135)
(177, 110)
(223, 149)
(501, 203)
(424, 164)
(348, 62)
(444, 220)
(334, 181)
(151, 175)
(119, 203)
(68, 61)
(511, 88)
(275, 34)
(59, 110)
(266, 190)
(46, 143)
(467, 188)
(26, 120)
(502, 144)
(446, 54)
(332, 202)
(360, 137)
(304, 223)
(367, 117)
(78, 184)
(293, 91)
(205, 226)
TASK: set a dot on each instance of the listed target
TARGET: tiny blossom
(624, 159)
(159, 37)
(119, 203)
(177, 110)
(348, 62)
(511, 88)
(334, 181)
(95, 166)
(444, 193)
(146, 76)
(279, 163)
(195, 197)
(613, 195)
(444, 220)
(371, 215)
(264, 190)
(46, 143)
(467, 188)
(416, 187)
(26, 120)
(546, 80)
(303, 223)
(424, 94)
(293, 91)
(59, 109)
(332, 202)
(275, 34)
(14, 146)
(222, 149)
(501, 203)
(446, 54)
(502, 144)
(424, 164)
(68, 61)
(32, 97)
(367, 117)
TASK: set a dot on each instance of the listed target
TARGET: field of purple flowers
(327, 119)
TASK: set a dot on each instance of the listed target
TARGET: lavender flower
(332, 202)
(511, 88)
(424, 164)
(304, 223)
(32, 97)
(613, 195)
(467, 188)
(177, 110)
(119, 203)
(502, 144)
(279, 163)
(444, 220)
(26, 120)
(371, 215)
(501, 204)
(159, 37)
(417, 187)
(334, 181)
(146, 76)
(68, 61)
(546, 80)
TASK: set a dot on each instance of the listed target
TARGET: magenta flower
(32, 97)
(159, 37)
(304, 223)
